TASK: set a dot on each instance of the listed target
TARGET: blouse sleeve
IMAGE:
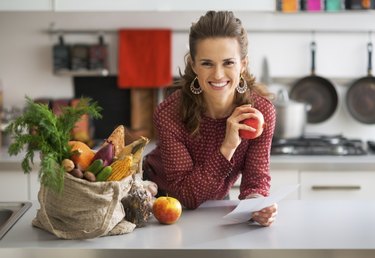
(191, 183)
(255, 176)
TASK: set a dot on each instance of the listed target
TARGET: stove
(318, 145)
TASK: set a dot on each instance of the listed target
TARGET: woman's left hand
(265, 216)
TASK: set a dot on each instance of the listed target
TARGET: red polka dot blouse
(193, 170)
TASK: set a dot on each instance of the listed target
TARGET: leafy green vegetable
(48, 134)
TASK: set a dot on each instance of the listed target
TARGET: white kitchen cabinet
(34, 185)
(13, 186)
(164, 5)
(26, 5)
(337, 185)
(279, 178)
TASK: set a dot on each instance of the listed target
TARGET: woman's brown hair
(221, 24)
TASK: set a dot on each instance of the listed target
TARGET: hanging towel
(144, 58)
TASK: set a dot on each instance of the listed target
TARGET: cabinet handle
(335, 187)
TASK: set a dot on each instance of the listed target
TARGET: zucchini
(104, 174)
(96, 166)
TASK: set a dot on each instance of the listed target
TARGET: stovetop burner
(318, 145)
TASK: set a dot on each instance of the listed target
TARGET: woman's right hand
(232, 138)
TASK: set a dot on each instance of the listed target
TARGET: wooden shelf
(100, 72)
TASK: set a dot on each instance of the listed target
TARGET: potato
(76, 173)
(89, 176)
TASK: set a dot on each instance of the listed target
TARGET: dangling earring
(195, 89)
(242, 89)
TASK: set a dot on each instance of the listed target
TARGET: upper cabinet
(26, 5)
(164, 5)
(283, 6)
(136, 5)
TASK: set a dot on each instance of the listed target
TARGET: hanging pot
(98, 56)
(291, 116)
(79, 57)
(317, 91)
(61, 55)
(360, 97)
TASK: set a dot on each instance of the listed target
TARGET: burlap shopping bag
(84, 209)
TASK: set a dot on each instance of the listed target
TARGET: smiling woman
(200, 154)
(218, 64)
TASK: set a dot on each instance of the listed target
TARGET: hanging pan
(316, 91)
(360, 98)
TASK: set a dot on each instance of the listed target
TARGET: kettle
(291, 116)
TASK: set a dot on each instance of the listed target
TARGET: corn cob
(133, 147)
(121, 168)
(138, 150)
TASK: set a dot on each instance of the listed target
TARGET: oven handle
(335, 187)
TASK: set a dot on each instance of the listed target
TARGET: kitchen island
(302, 229)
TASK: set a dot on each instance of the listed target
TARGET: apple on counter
(167, 210)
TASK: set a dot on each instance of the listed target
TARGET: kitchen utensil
(98, 55)
(360, 97)
(313, 5)
(371, 146)
(317, 91)
(333, 5)
(265, 77)
(290, 116)
(61, 55)
(80, 57)
(357, 4)
(288, 6)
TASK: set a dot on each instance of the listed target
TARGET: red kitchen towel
(144, 58)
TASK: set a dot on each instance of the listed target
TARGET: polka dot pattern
(192, 168)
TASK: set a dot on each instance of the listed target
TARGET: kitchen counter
(326, 162)
(8, 162)
(312, 162)
(302, 228)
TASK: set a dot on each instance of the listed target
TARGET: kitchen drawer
(337, 185)
(279, 178)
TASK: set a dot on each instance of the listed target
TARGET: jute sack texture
(84, 209)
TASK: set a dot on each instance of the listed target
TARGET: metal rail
(181, 31)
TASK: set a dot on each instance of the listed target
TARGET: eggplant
(106, 153)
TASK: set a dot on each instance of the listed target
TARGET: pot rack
(54, 31)
(59, 31)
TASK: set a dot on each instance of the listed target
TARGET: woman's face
(218, 66)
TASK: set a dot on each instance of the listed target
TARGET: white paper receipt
(242, 212)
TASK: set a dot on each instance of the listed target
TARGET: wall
(26, 63)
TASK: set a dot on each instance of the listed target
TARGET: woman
(200, 154)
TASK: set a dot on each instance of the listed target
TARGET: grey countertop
(319, 163)
(341, 163)
(302, 227)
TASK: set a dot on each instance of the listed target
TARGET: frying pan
(360, 98)
(316, 91)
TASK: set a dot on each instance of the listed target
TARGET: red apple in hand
(254, 123)
(167, 210)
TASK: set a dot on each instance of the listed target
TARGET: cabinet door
(279, 178)
(26, 5)
(13, 186)
(337, 185)
(163, 5)
(34, 185)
